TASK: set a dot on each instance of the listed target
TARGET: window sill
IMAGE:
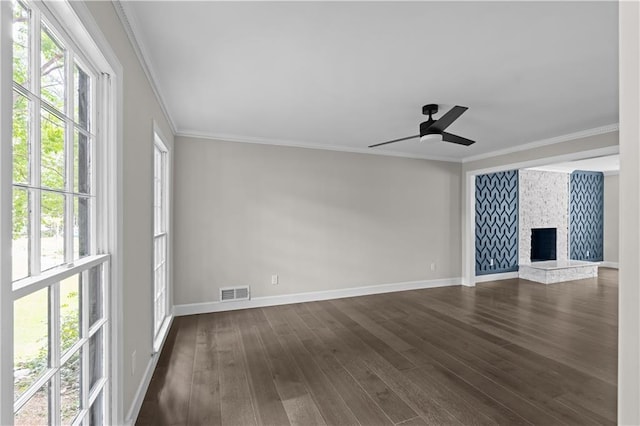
(161, 336)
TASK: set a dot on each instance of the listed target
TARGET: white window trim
(112, 193)
(159, 337)
(78, 22)
(6, 181)
(42, 18)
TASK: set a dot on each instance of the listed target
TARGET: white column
(629, 287)
(468, 229)
(6, 297)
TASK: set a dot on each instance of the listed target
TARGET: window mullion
(84, 324)
(107, 368)
(98, 96)
(55, 351)
(69, 163)
(35, 149)
(163, 190)
(98, 99)
(34, 53)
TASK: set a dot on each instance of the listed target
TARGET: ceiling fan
(433, 129)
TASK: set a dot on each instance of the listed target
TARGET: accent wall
(586, 215)
(611, 219)
(497, 222)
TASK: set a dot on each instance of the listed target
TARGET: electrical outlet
(274, 279)
(587, 254)
(133, 363)
(490, 262)
(433, 266)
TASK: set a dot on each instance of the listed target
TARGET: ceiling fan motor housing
(428, 109)
(425, 128)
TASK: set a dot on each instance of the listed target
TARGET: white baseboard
(285, 299)
(496, 277)
(134, 409)
(607, 264)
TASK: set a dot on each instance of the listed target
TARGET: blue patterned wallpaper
(497, 222)
(586, 214)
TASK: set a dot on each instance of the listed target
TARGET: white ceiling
(606, 164)
(344, 75)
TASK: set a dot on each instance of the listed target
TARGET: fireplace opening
(543, 244)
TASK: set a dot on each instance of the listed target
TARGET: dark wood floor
(507, 352)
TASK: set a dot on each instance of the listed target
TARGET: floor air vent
(228, 294)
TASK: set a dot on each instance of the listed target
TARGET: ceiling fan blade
(448, 137)
(395, 140)
(446, 120)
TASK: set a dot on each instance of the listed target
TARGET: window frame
(81, 34)
(38, 105)
(160, 328)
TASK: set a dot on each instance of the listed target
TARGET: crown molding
(298, 144)
(127, 18)
(308, 145)
(544, 142)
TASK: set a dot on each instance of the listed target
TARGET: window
(59, 263)
(160, 241)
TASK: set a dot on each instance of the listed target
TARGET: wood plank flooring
(505, 352)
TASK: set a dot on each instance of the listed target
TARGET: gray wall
(321, 220)
(141, 108)
(611, 217)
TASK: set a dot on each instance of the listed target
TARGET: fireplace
(543, 244)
